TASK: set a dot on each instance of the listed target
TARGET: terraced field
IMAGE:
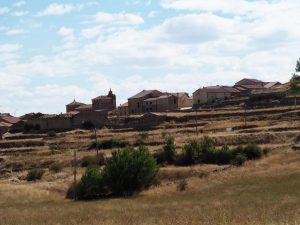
(266, 191)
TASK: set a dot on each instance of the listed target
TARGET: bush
(56, 167)
(223, 155)
(182, 185)
(253, 151)
(170, 150)
(160, 157)
(130, 171)
(191, 153)
(52, 134)
(35, 174)
(239, 160)
(91, 185)
(90, 161)
(109, 144)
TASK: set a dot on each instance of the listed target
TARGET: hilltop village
(149, 107)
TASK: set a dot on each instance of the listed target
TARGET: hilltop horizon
(51, 53)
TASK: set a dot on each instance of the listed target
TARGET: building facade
(123, 110)
(214, 93)
(135, 103)
(105, 102)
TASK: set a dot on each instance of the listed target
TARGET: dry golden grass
(262, 192)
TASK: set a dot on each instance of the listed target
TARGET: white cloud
(91, 32)
(57, 9)
(19, 4)
(118, 18)
(69, 40)
(15, 32)
(9, 47)
(19, 13)
(4, 10)
(153, 14)
(195, 28)
(228, 6)
(9, 52)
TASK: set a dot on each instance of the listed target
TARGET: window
(138, 105)
(175, 101)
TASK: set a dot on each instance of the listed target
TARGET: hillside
(265, 191)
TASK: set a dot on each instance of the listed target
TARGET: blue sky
(54, 51)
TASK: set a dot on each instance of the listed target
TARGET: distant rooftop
(143, 93)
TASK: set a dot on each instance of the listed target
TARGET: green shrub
(206, 143)
(223, 155)
(130, 171)
(52, 134)
(91, 185)
(90, 161)
(238, 150)
(35, 174)
(160, 157)
(170, 150)
(182, 185)
(253, 151)
(56, 167)
(191, 153)
(109, 144)
(239, 160)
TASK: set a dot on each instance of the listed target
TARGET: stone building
(156, 101)
(135, 103)
(123, 110)
(167, 102)
(6, 122)
(210, 94)
(246, 85)
(70, 120)
(107, 102)
(73, 105)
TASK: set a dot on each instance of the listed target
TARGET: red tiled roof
(10, 119)
(102, 97)
(89, 106)
(75, 103)
(252, 86)
(3, 124)
(143, 93)
(219, 89)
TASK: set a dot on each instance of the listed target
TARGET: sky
(54, 51)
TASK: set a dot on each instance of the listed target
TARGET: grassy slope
(262, 192)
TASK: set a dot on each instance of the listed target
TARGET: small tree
(295, 88)
(170, 150)
(130, 171)
(192, 153)
(91, 184)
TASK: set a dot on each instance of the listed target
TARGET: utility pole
(96, 144)
(75, 173)
(245, 116)
(197, 123)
